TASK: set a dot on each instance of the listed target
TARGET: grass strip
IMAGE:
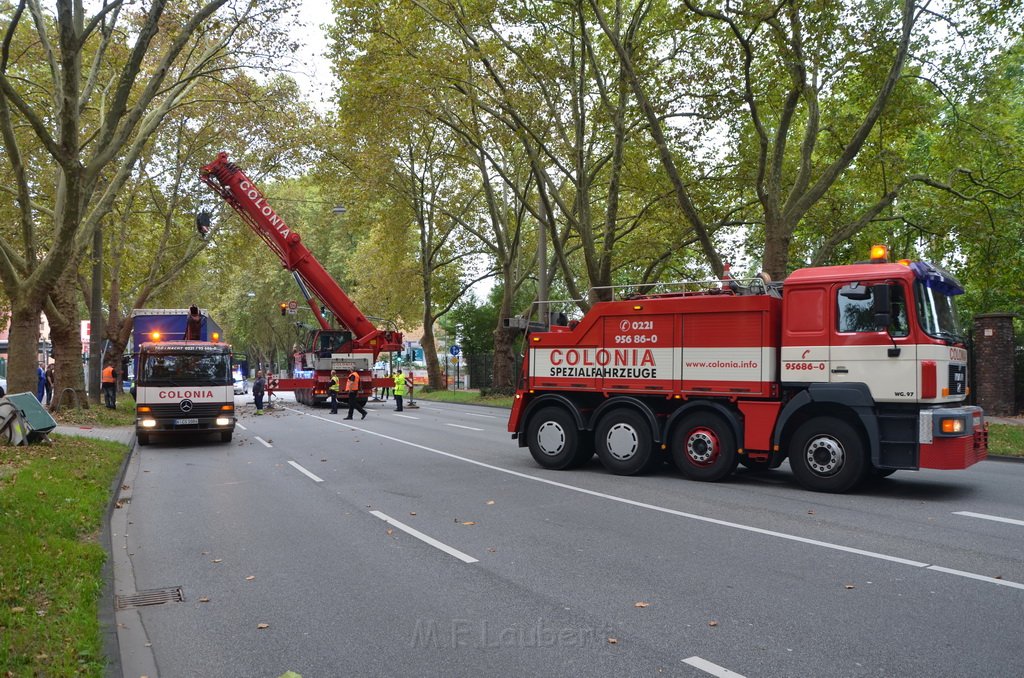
(467, 397)
(1006, 440)
(52, 504)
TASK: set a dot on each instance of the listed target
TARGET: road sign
(455, 349)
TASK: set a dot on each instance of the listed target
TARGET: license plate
(185, 422)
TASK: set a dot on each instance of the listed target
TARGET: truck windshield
(191, 369)
(937, 314)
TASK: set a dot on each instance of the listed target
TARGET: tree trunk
(429, 344)
(776, 251)
(23, 349)
(504, 364)
(65, 332)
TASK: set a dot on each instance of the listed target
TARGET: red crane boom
(357, 344)
(239, 191)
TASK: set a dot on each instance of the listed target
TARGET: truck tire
(624, 442)
(554, 439)
(225, 436)
(827, 455)
(704, 447)
(142, 438)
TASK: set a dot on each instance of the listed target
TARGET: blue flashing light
(936, 278)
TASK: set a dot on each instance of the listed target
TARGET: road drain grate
(151, 597)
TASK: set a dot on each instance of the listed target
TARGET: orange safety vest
(108, 375)
(352, 384)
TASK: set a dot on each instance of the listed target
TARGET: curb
(108, 622)
(1001, 457)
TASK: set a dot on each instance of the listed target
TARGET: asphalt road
(427, 543)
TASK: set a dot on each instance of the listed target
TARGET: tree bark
(503, 363)
(429, 344)
(65, 334)
(23, 349)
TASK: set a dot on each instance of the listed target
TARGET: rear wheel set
(703, 447)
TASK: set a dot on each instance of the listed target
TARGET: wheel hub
(825, 455)
(551, 438)
(622, 441)
(702, 447)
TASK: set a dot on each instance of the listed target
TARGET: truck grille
(198, 410)
(957, 379)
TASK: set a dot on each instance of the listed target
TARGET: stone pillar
(994, 363)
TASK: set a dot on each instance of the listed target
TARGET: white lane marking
(240, 426)
(424, 538)
(710, 667)
(468, 414)
(405, 416)
(691, 516)
(315, 477)
(265, 443)
(979, 577)
(985, 516)
(468, 428)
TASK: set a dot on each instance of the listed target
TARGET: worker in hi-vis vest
(352, 390)
(334, 391)
(399, 390)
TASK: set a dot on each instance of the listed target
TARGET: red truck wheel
(704, 447)
(624, 442)
(553, 438)
(827, 455)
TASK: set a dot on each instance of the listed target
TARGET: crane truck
(355, 345)
(847, 371)
(182, 386)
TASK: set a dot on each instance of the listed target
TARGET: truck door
(866, 350)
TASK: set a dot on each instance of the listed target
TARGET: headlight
(223, 421)
(953, 425)
(148, 423)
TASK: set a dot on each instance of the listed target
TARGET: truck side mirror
(880, 306)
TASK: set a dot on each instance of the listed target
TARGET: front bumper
(953, 450)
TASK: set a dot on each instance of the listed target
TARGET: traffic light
(284, 308)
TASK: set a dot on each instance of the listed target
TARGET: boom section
(239, 191)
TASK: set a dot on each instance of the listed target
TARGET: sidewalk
(1012, 421)
(121, 434)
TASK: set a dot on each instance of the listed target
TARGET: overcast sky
(312, 71)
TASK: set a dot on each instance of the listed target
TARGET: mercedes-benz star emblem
(186, 406)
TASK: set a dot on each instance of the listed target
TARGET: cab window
(855, 311)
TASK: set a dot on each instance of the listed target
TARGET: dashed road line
(985, 516)
(240, 426)
(313, 476)
(424, 538)
(264, 442)
(710, 667)
(468, 428)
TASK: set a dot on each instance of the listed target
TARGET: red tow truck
(847, 371)
(356, 344)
